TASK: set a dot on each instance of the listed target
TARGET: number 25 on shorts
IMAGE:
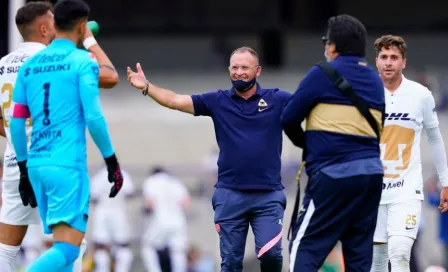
(411, 220)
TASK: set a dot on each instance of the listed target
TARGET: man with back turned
(341, 150)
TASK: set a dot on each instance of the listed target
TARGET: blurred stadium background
(183, 45)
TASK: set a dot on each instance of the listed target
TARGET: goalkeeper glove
(114, 175)
(25, 189)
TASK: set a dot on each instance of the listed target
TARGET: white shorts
(13, 212)
(161, 236)
(111, 227)
(401, 219)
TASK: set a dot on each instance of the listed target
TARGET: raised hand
(137, 79)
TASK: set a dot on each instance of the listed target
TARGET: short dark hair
(26, 15)
(388, 41)
(67, 14)
(348, 34)
(245, 49)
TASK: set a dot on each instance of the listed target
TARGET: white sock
(151, 259)
(400, 253)
(380, 258)
(178, 261)
(123, 259)
(102, 261)
(8, 256)
(77, 266)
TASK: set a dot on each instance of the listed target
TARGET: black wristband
(22, 166)
(111, 161)
(145, 90)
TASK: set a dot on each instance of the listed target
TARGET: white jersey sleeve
(9, 68)
(438, 153)
(430, 118)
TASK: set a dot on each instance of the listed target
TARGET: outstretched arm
(162, 96)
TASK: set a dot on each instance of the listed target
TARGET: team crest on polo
(262, 103)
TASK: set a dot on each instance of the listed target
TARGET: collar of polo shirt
(258, 93)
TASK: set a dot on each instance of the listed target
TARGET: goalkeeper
(58, 89)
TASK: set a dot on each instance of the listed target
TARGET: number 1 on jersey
(46, 121)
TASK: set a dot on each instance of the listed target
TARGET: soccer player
(410, 108)
(249, 135)
(166, 199)
(111, 230)
(36, 25)
(58, 89)
(341, 152)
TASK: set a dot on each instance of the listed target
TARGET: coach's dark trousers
(263, 210)
(336, 210)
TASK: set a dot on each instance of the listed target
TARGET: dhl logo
(397, 116)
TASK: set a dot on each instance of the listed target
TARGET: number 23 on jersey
(8, 88)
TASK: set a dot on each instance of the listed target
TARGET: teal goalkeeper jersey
(59, 88)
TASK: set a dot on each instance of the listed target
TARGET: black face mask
(243, 86)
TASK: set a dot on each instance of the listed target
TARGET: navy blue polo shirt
(249, 136)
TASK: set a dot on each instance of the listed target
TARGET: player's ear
(43, 30)
(404, 63)
(82, 27)
(258, 70)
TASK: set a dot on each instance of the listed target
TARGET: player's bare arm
(162, 96)
(2, 125)
(108, 77)
(444, 200)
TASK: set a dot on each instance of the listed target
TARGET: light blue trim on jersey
(100, 135)
(18, 138)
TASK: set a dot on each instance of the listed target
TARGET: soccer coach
(342, 101)
(249, 135)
